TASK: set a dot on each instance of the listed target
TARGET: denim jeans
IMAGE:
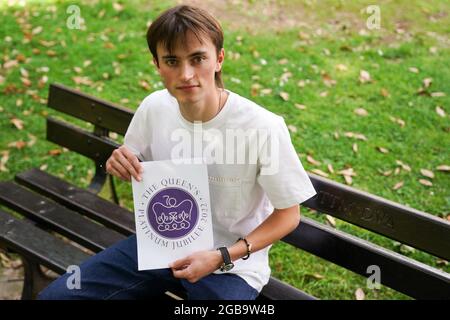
(113, 274)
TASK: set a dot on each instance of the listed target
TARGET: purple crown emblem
(172, 212)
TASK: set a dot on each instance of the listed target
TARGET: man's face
(188, 71)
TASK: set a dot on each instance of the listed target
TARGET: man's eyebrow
(196, 53)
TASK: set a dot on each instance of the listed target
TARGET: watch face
(227, 267)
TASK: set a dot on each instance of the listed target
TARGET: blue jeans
(113, 274)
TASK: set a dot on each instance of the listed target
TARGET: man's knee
(57, 290)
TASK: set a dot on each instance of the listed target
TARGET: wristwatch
(227, 265)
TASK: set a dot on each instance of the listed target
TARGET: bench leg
(35, 280)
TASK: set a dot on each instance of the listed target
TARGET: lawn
(375, 101)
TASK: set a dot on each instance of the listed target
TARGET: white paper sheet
(172, 212)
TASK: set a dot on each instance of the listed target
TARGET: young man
(253, 203)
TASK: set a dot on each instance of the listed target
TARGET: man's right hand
(124, 164)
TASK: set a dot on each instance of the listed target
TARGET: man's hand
(197, 265)
(124, 164)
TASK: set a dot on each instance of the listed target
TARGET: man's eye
(171, 62)
(198, 59)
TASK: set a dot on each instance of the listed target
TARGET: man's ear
(220, 59)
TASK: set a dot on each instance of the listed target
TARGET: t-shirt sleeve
(281, 173)
(136, 137)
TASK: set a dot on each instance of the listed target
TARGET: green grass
(117, 40)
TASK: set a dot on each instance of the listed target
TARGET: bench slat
(94, 110)
(79, 140)
(398, 272)
(278, 290)
(407, 225)
(28, 240)
(60, 219)
(79, 200)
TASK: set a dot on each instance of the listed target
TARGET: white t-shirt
(252, 165)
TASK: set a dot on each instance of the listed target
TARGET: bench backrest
(406, 225)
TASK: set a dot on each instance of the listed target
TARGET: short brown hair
(172, 25)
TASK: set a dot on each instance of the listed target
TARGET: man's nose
(187, 72)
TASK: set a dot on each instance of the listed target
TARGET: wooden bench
(52, 207)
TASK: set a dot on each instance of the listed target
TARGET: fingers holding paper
(197, 265)
(124, 164)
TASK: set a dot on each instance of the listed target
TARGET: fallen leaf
(398, 121)
(51, 53)
(312, 160)
(300, 106)
(387, 173)
(283, 61)
(3, 160)
(330, 168)
(145, 85)
(437, 94)
(10, 64)
(347, 172)
(37, 30)
(292, 128)
(284, 96)
(348, 180)
(443, 168)
(427, 82)
(341, 67)
(55, 152)
(404, 166)
(43, 167)
(359, 294)
(398, 185)
(413, 70)
(17, 123)
(32, 140)
(17, 144)
(425, 182)
(384, 92)
(355, 147)
(319, 172)
(331, 221)
(406, 249)
(364, 76)
(118, 7)
(440, 111)
(427, 173)
(82, 80)
(361, 112)
(382, 150)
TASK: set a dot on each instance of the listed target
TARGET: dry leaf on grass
(426, 182)
(382, 150)
(359, 294)
(361, 112)
(440, 111)
(427, 173)
(319, 172)
(364, 76)
(443, 167)
(312, 160)
(398, 185)
(17, 123)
